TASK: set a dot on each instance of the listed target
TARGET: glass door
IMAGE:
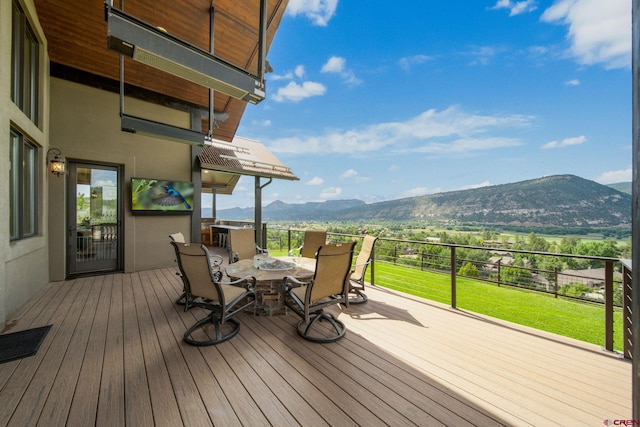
(94, 217)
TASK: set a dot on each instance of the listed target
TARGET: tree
(516, 276)
(574, 289)
(607, 249)
(469, 270)
(568, 244)
(537, 244)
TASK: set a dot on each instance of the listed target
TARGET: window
(23, 187)
(25, 51)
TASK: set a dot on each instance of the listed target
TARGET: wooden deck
(115, 356)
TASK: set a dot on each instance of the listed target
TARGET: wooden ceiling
(76, 33)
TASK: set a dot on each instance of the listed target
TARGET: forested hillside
(563, 201)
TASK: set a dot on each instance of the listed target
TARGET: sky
(376, 100)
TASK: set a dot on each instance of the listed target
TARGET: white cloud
(362, 179)
(276, 77)
(516, 8)
(348, 174)
(473, 186)
(295, 92)
(414, 192)
(447, 131)
(483, 54)
(467, 145)
(573, 82)
(337, 65)
(409, 61)
(330, 193)
(297, 72)
(318, 11)
(316, 180)
(262, 123)
(599, 31)
(565, 142)
(612, 177)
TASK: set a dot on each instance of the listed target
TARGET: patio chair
(222, 300)
(216, 263)
(242, 244)
(356, 278)
(313, 239)
(328, 286)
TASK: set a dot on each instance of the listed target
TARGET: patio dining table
(269, 276)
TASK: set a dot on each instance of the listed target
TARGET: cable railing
(627, 311)
(607, 283)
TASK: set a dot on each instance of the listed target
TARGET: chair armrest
(290, 282)
(353, 267)
(247, 282)
(215, 260)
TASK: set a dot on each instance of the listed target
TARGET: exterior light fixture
(56, 162)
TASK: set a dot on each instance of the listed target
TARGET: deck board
(164, 404)
(213, 397)
(115, 356)
(136, 392)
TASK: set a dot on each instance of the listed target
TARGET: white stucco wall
(23, 264)
(85, 125)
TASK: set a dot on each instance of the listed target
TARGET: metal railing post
(608, 305)
(373, 264)
(627, 309)
(453, 277)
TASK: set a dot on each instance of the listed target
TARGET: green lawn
(582, 321)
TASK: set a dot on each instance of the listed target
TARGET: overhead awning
(223, 163)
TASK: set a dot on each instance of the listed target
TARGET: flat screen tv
(161, 196)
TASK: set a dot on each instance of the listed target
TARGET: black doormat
(17, 345)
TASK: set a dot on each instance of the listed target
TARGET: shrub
(469, 270)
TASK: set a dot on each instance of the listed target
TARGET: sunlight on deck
(115, 356)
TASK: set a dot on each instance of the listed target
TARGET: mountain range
(565, 201)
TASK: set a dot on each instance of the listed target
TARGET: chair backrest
(177, 237)
(333, 264)
(193, 262)
(364, 257)
(313, 239)
(242, 241)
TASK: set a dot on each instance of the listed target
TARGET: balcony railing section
(627, 310)
(606, 282)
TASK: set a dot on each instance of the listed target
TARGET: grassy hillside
(623, 187)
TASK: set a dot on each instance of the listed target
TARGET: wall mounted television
(149, 196)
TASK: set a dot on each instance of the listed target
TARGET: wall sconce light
(56, 163)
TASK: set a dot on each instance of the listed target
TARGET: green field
(570, 318)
